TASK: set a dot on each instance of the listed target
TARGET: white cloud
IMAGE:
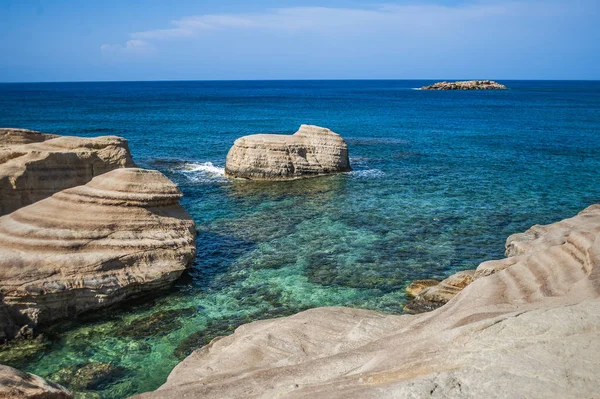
(131, 47)
(409, 21)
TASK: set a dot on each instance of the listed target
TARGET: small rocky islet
(466, 85)
(533, 310)
(311, 151)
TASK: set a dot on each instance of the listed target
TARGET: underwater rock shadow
(324, 187)
(222, 250)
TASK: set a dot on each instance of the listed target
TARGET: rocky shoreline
(526, 326)
(86, 247)
(466, 85)
(83, 229)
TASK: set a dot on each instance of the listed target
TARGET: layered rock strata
(311, 151)
(434, 296)
(466, 85)
(428, 295)
(530, 329)
(121, 235)
(15, 384)
(34, 165)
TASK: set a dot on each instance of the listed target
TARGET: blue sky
(60, 40)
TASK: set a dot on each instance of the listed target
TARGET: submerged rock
(35, 165)
(122, 235)
(529, 330)
(466, 85)
(89, 376)
(311, 151)
(24, 349)
(15, 384)
(157, 324)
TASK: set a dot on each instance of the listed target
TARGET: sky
(113, 40)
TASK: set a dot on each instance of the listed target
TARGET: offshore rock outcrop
(466, 85)
(34, 165)
(311, 151)
(121, 235)
(15, 384)
(527, 327)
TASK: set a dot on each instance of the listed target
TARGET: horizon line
(292, 80)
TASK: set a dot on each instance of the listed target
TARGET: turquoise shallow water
(440, 180)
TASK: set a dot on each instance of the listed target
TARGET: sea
(440, 179)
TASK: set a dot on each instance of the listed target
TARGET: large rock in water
(121, 235)
(34, 165)
(15, 384)
(466, 85)
(311, 151)
(529, 330)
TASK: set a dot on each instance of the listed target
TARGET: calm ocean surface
(440, 180)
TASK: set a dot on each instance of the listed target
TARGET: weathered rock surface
(121, 235)
(466, 85)
(439, 294)
(418, 286)
(34, 165)
(536, 238)
(529, 330)
(311, 151)
(15, 384)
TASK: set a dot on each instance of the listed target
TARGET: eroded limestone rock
(529, 330)
(466, 85)
(437, 295)
(34, 165)
(15, 384)
(311, 151)
(122, 235)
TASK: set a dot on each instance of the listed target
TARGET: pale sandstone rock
(15, 384)
(466, 85)
(417, 286)
(536, 238)
(35, 165)
(439, 294)
(121, 235)
(530, 330)
(311, 151)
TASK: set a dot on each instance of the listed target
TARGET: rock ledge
(35, 165)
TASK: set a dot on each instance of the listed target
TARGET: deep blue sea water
(440, 180)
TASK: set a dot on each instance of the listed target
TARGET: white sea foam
(202, 171)
(367, 173)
